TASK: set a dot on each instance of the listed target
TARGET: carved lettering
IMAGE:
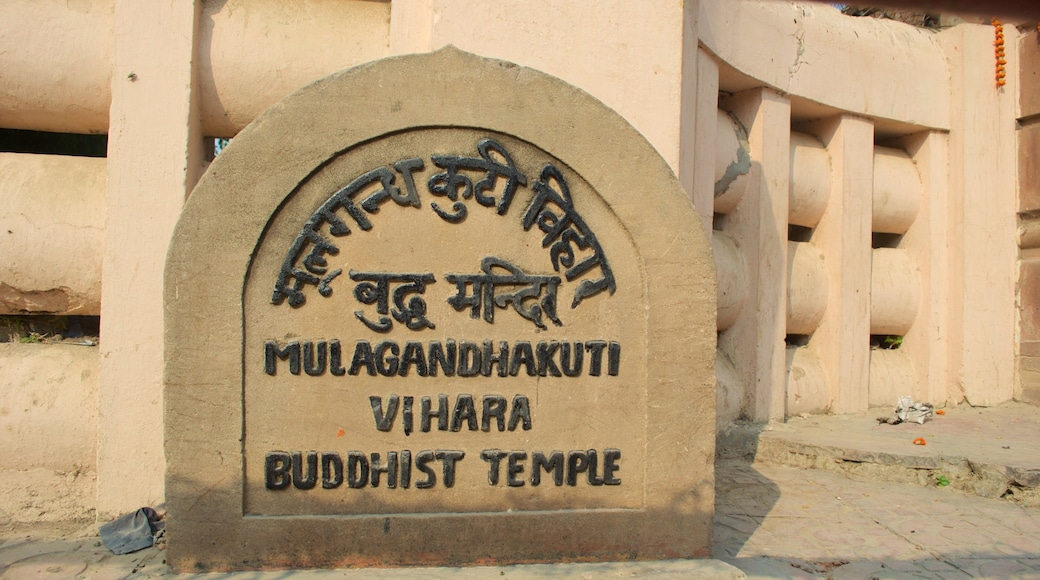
(374, 288)
(564, 231)
(464, 358)
(290, 352)
(455, 186)
(302, 469)
(563, 468)
(479, 292)
(314, 246)
(573, 247)
(465, 413)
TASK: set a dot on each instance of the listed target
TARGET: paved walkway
(794, 513)
(781, 522)
(771, 522)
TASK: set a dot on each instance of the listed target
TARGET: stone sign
(438, 309)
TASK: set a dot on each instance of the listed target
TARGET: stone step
(991, 452)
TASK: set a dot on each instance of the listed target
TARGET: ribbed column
(48, 393)
(1027, 364)
(729, 399)
(241, 72)
(732, 165)
(895, 287)
(57, 69)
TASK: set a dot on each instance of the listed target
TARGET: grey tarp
(131, 532)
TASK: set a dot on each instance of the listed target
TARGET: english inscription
(303, 470)
(452, 358)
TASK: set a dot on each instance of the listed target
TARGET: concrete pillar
(632, 56)
(892, 375)
(755, 342)
(808, 285)
(927, 240)
(982, 213)
(153, 161)
(700, 182)
(843, 236)
(729, 390)
(1027, 383)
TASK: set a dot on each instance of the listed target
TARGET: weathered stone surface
(1029, 69)
(1029, 167)
(48, 417)
(373, 362)
(52, 222)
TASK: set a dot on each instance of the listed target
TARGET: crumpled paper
(909, 411)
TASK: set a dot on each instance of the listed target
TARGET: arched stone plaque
(438, 309)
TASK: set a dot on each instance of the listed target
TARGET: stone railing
(857, 178)
(863, 223)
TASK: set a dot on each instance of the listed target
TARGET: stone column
(982, 215)
(1027, 383)
(699, 176)
(154, 157)
(843, 235)
(927, 343)
(631, 56)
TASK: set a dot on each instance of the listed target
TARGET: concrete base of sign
(657, 569)
(438, 310)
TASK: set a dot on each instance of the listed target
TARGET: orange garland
(998, 50)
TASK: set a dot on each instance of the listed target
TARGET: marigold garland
(998, 50)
